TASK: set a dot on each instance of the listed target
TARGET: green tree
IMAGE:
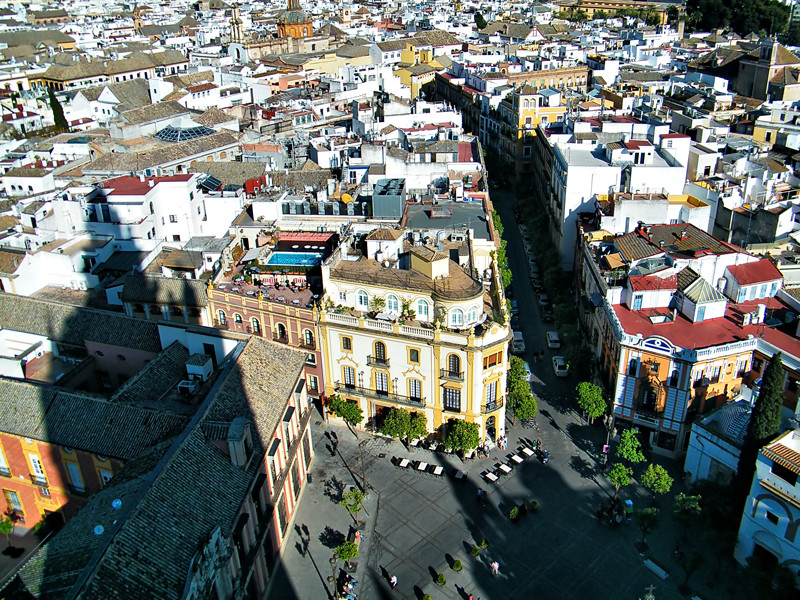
(418, 427)
(686, 509)
(526, 407)
(600, 14)
(629, 448)
(60, 120)
(579, 16)
(349, 411)
(462, 436)
(647, 520)
(590, 400)
(619, 476)
(353, 501)
(480, 22)
(673, 14)
(656, 479)
(397, 423)
(765, 421)
(7, 524)
(347, 552)
(690, 562)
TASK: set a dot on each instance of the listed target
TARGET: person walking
(393, 581)
(495, 568)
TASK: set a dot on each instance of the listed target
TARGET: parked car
(537, 283)
(560, 367)
(528, 372)
(544, 300)
(547, 315)
(514, 307)
(553, 340)
(518, 344)
(515, 322)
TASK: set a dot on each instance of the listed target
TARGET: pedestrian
(393, 581)
(495, 568)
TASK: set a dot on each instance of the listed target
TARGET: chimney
(141, 177)
(150, 182)
(683, 234)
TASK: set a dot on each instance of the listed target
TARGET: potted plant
(476, 550)
(441, 580)
(347, 552)
(513, 514)
(533, 506)
(484, 543)
(457, 566)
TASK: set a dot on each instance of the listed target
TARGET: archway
(491, 428)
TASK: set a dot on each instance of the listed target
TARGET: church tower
(294, 21)
(236, 26)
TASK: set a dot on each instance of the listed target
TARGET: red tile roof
(131, 186)
(645, 283)
(674, 136)
(755, 272)
(637, 144)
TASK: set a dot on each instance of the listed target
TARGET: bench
(658, 570)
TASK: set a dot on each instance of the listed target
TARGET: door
(637, 302)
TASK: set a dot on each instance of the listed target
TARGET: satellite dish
(116, 503)
(347, 198)
(98, 530)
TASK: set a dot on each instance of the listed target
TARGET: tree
(526, 407)
(7, 524)
(397, 423)
(349, 411)
(462, 436)
(347, 552)
(480, 22)
(60, 120)
(765, 421)
(686, 509)
(619, 476)
(647, 520)
(599, 14)
(353, 501)
(690, 562)
(656, 479)
(630, 448)
(418, 427)
(590, 400)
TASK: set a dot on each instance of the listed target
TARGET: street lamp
(363, 469)
(608, 421)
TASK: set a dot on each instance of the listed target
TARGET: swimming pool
(295, 259)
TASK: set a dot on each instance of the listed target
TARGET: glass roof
(183, 129)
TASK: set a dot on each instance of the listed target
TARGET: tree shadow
(583, 468)
(334, 489)
(578, 436)
(331, 538)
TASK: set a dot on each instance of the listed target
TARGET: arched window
(472, 314)
(223, 320)
(363, 299)
(422, 310)
(457, 317)
(392, 305)
(255, 325)
(454, 365)
(308, 338)
(237, 318)
(281, 331)
(380, 352)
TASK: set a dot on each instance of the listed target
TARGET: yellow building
(417, 68)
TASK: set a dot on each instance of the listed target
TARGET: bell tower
(237, 35)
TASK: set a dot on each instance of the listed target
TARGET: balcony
(380, 395)
(39, 480)
(490, 407)
(454, 375)
(377, 361)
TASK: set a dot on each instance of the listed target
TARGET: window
(422, 310)
(311, 358)
(223, 320)
(452, 399)
(105, 477)
(633, 367)
(173, 218)
(454, 365)
(413, 356)
(12, 498)
(36, 466)
(637, 302)
(281, 329)
(308, 338)
(381, 382)
(380, 352)
(654, 367)
(313, 382)
(349, 377)
(741, 368)
(415, 389)
(491, 393)
(772, 518)
(347, 343)
(715, 373)
(492, 360)
(701, 314)
(392, 305)
(255, 325)
(362, 299)
(457, 317)
(237, 318)
(343, 296)
(673, 379)
(472, 314)
(75, 478)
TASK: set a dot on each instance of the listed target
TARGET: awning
(251, 254)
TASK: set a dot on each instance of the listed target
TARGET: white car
(528, 372)
(560, 367)
(518, 344)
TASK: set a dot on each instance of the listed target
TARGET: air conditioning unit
(187, 387)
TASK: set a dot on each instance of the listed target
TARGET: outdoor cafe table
(517, 458)
(505, 469)
(527, 452)
(460, 475)
(404, 463)
(422, 466)
(491, 477)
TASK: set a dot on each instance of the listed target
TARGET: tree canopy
(742, 16)
(61, 123)
(656, 479)
(590, 399)
(630, 448)
(480, 22)
(349, 411)
(619, 476)
(518, 388)
(347, 551)
(462, 436)
(402, 424)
